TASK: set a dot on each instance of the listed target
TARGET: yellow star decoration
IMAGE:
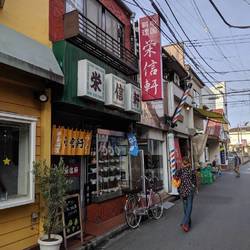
(6, 161)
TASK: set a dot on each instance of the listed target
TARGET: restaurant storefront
(96, 110)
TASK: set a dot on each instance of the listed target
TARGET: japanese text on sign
(70, 142)
(150, 58)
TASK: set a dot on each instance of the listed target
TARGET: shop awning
(212, 115)
(24, 53)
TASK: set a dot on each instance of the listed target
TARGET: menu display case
(108, 166)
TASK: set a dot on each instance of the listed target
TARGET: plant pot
(50, 245)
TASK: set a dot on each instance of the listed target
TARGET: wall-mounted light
(1, 3)
(187, 108)
(41, 96)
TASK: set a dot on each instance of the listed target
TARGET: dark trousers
(188, 205)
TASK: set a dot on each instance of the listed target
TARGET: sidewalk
(93, 243)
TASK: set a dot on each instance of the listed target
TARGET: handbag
(176, 182)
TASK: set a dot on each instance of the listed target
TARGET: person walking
(186, 190)
(237, 162)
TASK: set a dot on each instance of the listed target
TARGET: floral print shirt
(188, 181)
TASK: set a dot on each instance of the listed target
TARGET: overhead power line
(224, 20)
(133, 4)
(235, 80)
(184, 32)
(231, 71)
(169, 39)
(228, 93)
(158, 11)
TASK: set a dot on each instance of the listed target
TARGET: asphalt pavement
(221, 221)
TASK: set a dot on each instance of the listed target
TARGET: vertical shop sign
(90, 80)
(133, 98)
(114, 91)
(150, 58)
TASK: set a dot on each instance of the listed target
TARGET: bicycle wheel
(157, 206)
(133, 218)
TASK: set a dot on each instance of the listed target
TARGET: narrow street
(220, 221)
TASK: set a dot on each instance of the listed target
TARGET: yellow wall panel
(17, 235)
(15, 213)
(21, 223)
(15, 223)
(30, 241)
(30, 17)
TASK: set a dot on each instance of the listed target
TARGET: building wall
(57, 10)
(213, 150)
(206, 98)
(177, 51)
(16, 231)
(28, 17)
(221, 100)
(236, 137)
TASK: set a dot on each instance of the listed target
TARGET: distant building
(240, 141)
(220, 92)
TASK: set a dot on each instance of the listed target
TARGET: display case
(108, 166)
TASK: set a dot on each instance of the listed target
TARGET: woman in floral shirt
(186, 191)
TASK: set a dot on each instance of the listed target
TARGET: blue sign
(133, 150)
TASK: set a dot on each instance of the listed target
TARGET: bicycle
(140, 204)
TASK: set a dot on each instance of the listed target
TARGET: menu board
(72, 219)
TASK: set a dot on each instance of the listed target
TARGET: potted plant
(53, 187)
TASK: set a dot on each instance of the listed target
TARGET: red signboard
(150, 58)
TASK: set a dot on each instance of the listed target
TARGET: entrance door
(137, 171)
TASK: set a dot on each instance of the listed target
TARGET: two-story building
(28, 71)
(100, 102)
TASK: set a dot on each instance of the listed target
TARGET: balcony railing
(84, 33)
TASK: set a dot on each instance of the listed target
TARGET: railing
(77, 24)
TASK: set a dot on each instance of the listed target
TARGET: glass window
(153, 161)
(74, 5)
(17, 151)
(108, 167)
(94, 11)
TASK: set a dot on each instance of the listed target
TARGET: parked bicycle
(140, 204)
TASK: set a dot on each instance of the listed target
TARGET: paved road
(221, 221)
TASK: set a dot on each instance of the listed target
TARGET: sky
(230, 51)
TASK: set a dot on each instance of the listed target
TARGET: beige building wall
(237, 136)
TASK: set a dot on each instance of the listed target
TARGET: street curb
(101, 239)
(92, 244)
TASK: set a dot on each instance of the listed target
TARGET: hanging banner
(150, 58)
(133, 149)
(70, 142)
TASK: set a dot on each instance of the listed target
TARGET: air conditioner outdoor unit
(176, 79)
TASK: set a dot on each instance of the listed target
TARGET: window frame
(31, 121)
